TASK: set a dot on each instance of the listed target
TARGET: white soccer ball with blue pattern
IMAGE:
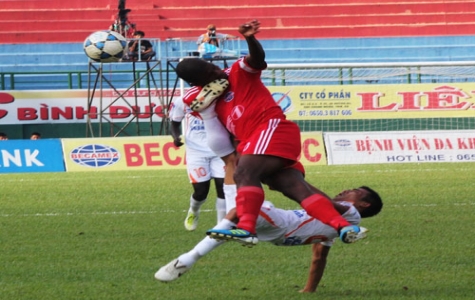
(105, 46)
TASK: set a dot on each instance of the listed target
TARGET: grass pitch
(103, 235)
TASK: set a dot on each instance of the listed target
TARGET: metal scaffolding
(104, 93)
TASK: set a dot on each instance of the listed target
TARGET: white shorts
(292, 227)
(201, 169)
(273, 227)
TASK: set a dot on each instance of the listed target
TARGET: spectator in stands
(122, 24)
(3, 136)
(35, 136)
(145, 47)
(212, 37)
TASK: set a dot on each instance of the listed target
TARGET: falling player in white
(288, 228)
(202, 164)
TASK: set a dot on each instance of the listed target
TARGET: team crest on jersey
(229, 96)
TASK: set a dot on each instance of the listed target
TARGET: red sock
(249, 200)
(319, 207)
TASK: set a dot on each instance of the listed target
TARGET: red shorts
(278, 137)
(299, 167)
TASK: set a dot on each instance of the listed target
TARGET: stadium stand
(36, 21)
(47, 35)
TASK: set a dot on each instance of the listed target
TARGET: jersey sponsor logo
(95, 156)
(228, 97)
(299, 213)
(237, 112)
(292, 241)
(197, 125)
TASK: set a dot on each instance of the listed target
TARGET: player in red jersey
(268, 144)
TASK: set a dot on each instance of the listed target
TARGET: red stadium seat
(43, 21)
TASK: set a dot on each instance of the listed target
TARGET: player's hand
(177, 142)
(250, 28)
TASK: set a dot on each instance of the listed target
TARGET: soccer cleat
(209, 94)
(238, 235)
(171, 271)
(352, 233)
(191, 221)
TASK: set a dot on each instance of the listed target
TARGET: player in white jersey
(295, 227)
(288, 228)
(201, 163)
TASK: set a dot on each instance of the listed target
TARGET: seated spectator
(212, 37)
(145, 47)
(3, 136)
(35, 136)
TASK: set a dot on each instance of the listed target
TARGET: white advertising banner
(76, 106)
(399, 147)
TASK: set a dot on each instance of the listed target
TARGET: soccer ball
(105, 46)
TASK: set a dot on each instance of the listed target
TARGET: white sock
(195, 205)
(205, 246)
(230, 192)
(220, 209)
(218, 137)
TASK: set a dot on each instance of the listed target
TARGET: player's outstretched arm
(256, 57)
(317, 266)
(175, 133)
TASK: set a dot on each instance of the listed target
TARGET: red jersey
(247, 103)
(249, 112)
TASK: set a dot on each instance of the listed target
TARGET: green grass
(102, 235)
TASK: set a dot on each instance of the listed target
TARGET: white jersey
(194, 129)
(295, 227)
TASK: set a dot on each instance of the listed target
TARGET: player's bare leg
(179, 266)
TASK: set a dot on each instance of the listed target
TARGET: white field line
(100, 213)
(204, 211)
(82, 178)
(140, 177)
(388, 171)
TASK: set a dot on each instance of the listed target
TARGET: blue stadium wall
(70, 56)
